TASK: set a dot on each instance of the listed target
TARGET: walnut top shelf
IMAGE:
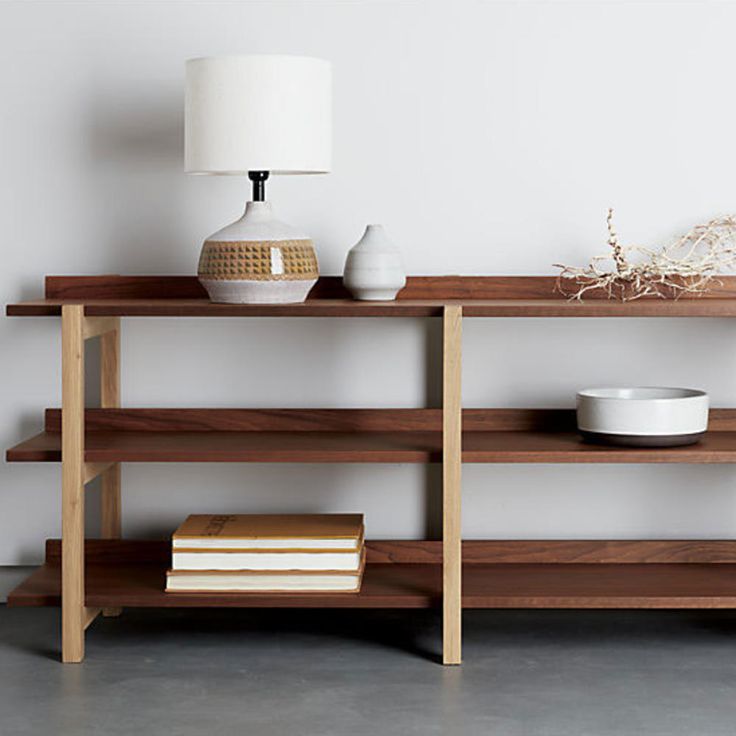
(205, 308)
(424, 296)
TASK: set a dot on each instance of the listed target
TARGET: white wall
(488, 137)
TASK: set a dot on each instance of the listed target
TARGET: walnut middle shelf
(353, 436)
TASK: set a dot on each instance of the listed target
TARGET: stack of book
(268, 553)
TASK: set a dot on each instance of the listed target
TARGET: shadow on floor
(417, 633)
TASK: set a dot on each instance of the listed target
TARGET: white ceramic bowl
(645, 417)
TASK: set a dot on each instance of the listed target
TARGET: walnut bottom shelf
(142, 586)
(140, 583)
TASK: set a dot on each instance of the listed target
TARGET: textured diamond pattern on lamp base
(258, 260)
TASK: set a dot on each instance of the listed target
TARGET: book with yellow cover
(265, 559)
(292, 532)
(265, 581)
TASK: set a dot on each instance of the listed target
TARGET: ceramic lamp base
(257, 292)
(258, 260)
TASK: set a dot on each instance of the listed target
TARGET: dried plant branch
(687, 266)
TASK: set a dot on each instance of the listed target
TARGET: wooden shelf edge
(423, 296)
(601, 574)
(142, 586)
(237, 447)
(391, 585)
(474, 551)
(512, 436)
(403, 309)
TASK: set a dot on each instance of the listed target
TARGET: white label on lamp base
(277, 262)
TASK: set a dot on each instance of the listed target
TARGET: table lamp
(256, 116)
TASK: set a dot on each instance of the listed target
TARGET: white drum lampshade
(258, 113)
(255, 116)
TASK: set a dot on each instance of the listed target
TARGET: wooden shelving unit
(89, 577)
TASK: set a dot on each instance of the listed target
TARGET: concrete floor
(303, 673)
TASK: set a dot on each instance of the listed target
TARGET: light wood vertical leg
(73, 614)
(451, 482)
(110, 505)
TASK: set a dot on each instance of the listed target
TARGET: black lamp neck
(259, 185)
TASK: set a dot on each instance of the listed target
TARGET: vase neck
(258, 212)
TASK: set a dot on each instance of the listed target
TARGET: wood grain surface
(452, 485)
(407, 574)
(257, 420)
(475, 551)
(330, 287)
(346, 435)
(713, 307)
(71, 453)
(244, 447)
(424, 296)
(338, 420)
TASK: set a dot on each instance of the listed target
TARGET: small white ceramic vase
(373, 268)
